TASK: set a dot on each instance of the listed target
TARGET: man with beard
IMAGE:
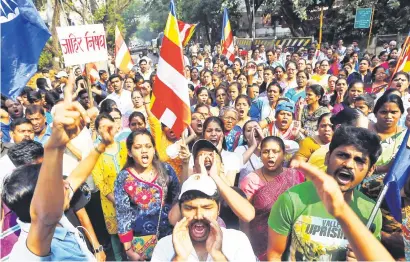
(198, 236)
(316, 234)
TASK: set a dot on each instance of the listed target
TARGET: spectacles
(228, 118)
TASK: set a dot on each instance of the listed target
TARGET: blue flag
(397, 177)
(23, 36)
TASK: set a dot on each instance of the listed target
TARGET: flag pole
(377, 205)
(90, 94)
(320, 27)
(406, 46)
(371, 26)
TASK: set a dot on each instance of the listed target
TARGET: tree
(391, 16)
(255, 5)
(210, 15)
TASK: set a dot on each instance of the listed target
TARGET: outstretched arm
(47, 203)
(364, 244)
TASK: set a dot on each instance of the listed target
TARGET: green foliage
(108, 16)
(45, 60)
(210, 15)
(390, 17)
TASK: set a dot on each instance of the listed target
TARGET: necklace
(148, 177)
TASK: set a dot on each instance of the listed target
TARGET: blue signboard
(363, 18)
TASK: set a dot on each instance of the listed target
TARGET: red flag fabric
(170, 101)
(186, 31)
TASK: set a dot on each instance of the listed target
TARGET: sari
(291, 134)
(233, 138)
(264, 196)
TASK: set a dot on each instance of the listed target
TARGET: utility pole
(253, 20)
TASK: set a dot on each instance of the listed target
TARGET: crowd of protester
(284, 159)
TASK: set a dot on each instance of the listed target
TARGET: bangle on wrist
(268, 120)
(98, 151)
(128, 249)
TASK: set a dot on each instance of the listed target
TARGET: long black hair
(163, 177)
(319, 91)
(221, 125)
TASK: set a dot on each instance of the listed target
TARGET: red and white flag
(170, 100)
(123, 60)
(185, 31)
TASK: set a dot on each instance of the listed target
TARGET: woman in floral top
(144, 192)
(310, 114)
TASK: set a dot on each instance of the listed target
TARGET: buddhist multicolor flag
(185, 31)
(123, 60)
(228, 49)
(403, 63)
(170, 101)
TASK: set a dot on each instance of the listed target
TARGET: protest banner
(82, 44)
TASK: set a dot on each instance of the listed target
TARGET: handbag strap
(160, 212)
(250, 159)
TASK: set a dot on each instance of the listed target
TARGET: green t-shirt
(316, 235)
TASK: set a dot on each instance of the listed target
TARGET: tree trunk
(249, 14)
(297, 27)
(55, 44)
(208, 37)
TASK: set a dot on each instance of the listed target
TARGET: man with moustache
(299, 212)
(36, 115)
(198, 236)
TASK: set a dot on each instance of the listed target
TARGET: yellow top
(161, 144)
(104, 174)
(317, 158)
(307, 146)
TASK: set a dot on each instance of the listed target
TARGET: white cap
(202, 183)
(62, 74)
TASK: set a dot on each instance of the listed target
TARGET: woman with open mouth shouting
(143, 192)
(252, 137)
(263, 109)
(263, 186)
(242, 106)
(284, 125)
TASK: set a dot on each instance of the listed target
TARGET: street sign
(363, 18)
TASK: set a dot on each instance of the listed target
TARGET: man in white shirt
(121, 96)
(341, 50)
(197, 236)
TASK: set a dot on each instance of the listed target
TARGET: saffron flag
(403, 63)
(228, 49)
(123, 60)
(23, 36)
(397, 177)
(186, 31)
(170, 101)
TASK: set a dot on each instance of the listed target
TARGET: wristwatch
(99, 249)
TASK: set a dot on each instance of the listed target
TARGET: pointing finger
(69, 88)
